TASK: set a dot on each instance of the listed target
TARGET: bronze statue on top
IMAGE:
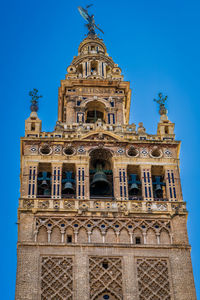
(90, 19)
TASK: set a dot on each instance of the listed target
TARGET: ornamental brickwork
(101, 213)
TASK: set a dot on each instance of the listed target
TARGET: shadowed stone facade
(101, 213)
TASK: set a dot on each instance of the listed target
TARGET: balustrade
(105, 204)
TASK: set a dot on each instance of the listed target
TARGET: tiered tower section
(101, 213)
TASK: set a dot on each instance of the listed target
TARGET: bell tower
(101, 213)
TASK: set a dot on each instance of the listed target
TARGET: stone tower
(101, 213)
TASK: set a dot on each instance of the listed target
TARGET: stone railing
(69, 130)
(77, 130)
(129, 206)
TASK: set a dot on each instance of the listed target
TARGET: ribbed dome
(93, 61)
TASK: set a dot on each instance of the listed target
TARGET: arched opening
(134, 182)
(158, 181)
(68, 181)
(32, 126)
(101, 175)
(69, 237)
(108, 71)
(137, 237)
(94, 67)
(95, 110)
(80, 70)
(44, 180)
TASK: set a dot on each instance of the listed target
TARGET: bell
(100, 184)
(158, 191)
(133, 189)
(44, 184)
(158, 188)
(68, 188)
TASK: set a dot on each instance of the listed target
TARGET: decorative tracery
(108, 230)
(56, 278)
(105, 278)
(153, 279)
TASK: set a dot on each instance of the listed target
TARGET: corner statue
(90, 19)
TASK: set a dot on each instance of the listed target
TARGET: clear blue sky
(157, 45)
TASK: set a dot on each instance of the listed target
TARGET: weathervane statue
(90, 19)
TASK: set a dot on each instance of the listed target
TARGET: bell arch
(101, 174)
(68, 187)
(44, 180)
(95, 110)
(134, 181)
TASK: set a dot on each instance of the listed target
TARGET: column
(120, 182)
(32, 180)
(56, 179)
(147, 191)
(88, 63)
(82, 180)
(99, 68)
(173, 188)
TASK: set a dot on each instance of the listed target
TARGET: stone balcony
(103, 205)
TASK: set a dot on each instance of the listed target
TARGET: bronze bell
(158, 188)
(158, 191)
(68, 188)
(44, 184)
(100, 185)
(134, 189)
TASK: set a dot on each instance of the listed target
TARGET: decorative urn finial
(34, 100)
(161, 101)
